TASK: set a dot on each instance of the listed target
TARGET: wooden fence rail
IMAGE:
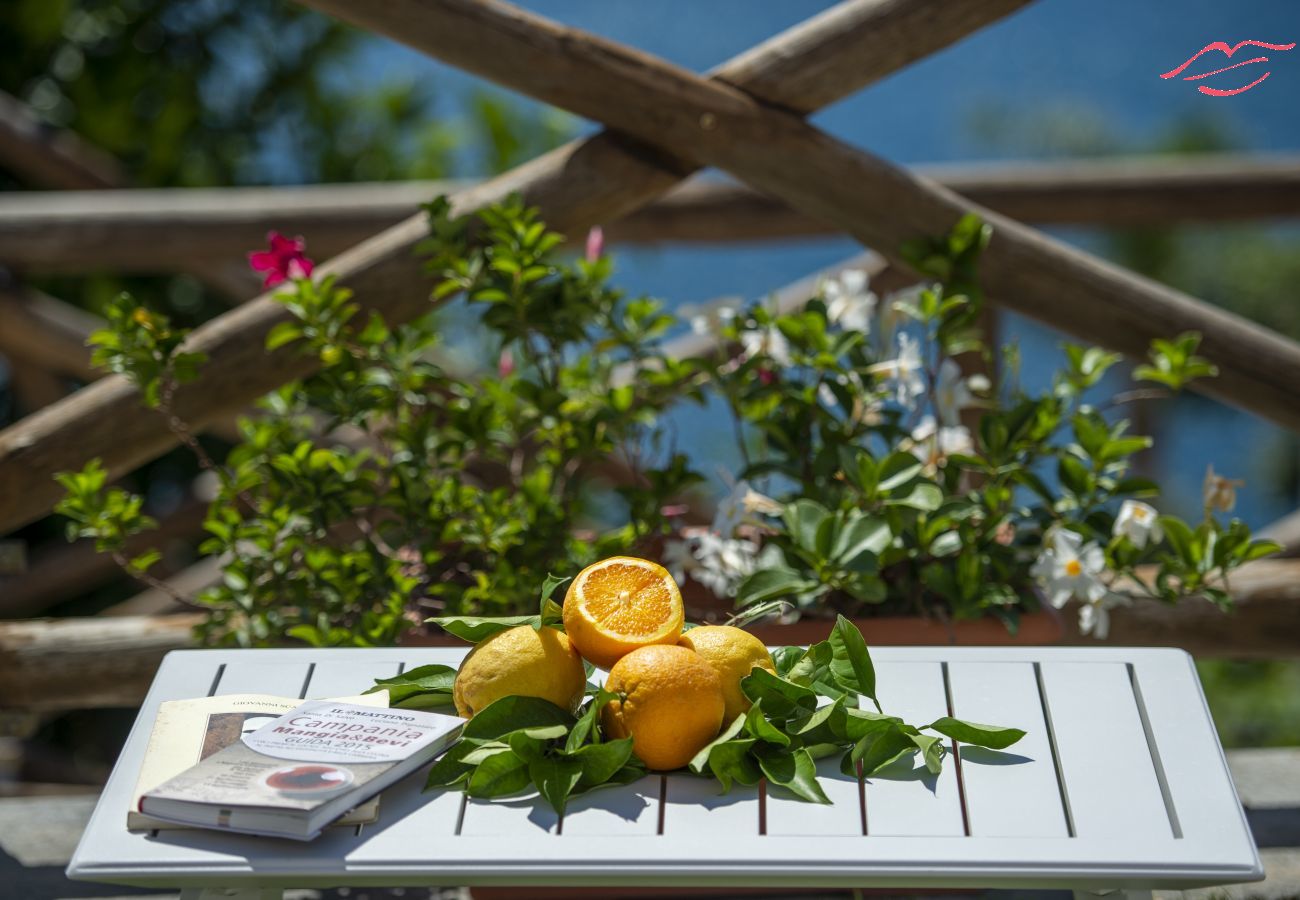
(876, 202)
(122, 231)
(595, 180)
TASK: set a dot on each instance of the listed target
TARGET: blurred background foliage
(226, 92)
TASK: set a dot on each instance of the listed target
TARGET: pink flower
(284, 259)
(595, 243)
(767, 377)
(505, 363)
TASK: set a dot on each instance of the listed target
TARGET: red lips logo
(1226, 51)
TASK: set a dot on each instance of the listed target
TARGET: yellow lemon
(733, 653)
(523, 662)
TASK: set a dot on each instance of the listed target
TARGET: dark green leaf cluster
(518, 742)
(810, 709)
(108, 516)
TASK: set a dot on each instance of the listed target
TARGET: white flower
(933, 447)
(743, 506)
(768, 341)
(952, 392)
(1094, 617)
(1137, 522)
(1068, 568)
(849, 303)
(904, 373)
(710, 318)
(1220, 493)
(720, 564)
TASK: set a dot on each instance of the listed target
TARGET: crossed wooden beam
(745, 117)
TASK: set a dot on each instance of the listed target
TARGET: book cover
(301, 770)
(186, 732)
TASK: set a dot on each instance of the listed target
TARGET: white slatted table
(1119, 783)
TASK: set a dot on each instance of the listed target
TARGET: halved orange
(619, 604)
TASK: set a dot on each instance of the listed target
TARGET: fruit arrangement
(710, 698)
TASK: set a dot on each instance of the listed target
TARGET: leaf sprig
(807, 710)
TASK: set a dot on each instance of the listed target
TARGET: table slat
(1103, 751)
(1009, 793)
(906, 799)
(279, 677)
(1207, 808)
(615, 811)
(695, 810)
(347, 679)
(787, 814)
(520, 818)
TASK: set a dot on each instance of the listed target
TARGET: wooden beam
(60, 571)
(880, 204)
(584, 183)
(47, 332)
(60, 160)
(50, 157)
(86, 663)
(170, 230)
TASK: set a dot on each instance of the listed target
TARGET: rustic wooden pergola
(747, 117)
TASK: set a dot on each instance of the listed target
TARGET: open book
(302, 770)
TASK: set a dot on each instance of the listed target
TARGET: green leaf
(922, 496)
(733, 761)
(550, 612)
(587, 725)
(780, 698)
(555, 778)
(760, 728)
(601, 761)
(419, 688)
(1180, 537)
(851, 665)
(514, 714)
(932, 750)
(701, 759)
(498, 776)
(802, 519)
(898, 469)
(476, 628)
(282, 334)
(772, 584)
(858, 723)
(863, 534)
(452, 768)
(995, 737)
(793, 770)
(881, 747)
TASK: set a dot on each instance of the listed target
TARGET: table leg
(245, 893)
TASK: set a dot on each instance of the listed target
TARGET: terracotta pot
(1042, 627)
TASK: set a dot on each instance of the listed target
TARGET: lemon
(733, 653)
(523, 662)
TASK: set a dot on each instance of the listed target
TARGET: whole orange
(670, 703)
